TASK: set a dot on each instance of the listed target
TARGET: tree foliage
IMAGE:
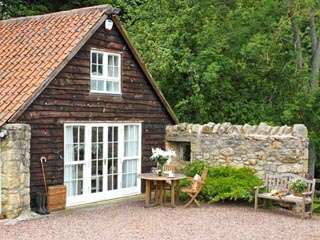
(221, 60)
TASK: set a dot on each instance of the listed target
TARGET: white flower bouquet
(161, 157)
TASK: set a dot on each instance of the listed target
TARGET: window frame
(104, 76)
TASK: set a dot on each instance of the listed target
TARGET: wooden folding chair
(194, 192)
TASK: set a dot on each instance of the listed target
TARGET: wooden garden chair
(193, 192)
(166, 169)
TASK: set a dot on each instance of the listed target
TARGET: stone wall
(267, 149)
(15, 173)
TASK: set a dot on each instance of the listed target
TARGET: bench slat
(288, 198)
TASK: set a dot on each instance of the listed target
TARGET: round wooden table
(160, 183)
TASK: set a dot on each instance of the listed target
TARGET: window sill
(106, 94)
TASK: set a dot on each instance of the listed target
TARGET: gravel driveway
(132, 221)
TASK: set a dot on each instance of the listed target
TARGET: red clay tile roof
(33, 49)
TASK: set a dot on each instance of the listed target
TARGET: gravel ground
(132, 221)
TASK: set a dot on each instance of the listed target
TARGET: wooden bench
(280, 182)
(317, 195)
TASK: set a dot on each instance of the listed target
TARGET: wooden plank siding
(68, 99)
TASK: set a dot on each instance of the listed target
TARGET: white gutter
(2, 135)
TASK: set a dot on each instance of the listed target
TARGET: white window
(105, 72)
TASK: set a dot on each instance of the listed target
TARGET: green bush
(224, 182)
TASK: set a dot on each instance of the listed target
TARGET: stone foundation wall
(267, 149)
(15, 170)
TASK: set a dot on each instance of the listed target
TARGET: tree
(242, 61)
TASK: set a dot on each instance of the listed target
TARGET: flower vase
(161, 170)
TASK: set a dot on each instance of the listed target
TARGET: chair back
(199, 184)
(204, 174)
(168, 168)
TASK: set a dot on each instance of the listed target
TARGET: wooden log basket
(56, 199)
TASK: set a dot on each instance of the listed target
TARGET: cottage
(94, 110)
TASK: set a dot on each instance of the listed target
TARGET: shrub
(224, 182)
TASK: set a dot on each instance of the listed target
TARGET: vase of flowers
(298, 186)
(161, 157)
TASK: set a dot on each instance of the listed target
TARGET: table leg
(162, 192)
(177, 191)
(172, 193)
(148, 193)
(156, 192)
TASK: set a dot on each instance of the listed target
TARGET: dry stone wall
(15, 170)
(266, 148)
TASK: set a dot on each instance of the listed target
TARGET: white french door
(102, 161)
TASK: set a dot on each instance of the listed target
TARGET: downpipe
(3, 133)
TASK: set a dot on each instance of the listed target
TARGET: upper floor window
(105, 72)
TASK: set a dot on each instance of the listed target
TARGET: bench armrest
(307, 194)
(260, 187)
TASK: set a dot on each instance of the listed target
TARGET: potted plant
(298, 186)
(161, 157)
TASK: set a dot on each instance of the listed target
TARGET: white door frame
(87, 196)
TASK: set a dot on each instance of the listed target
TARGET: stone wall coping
(262, 130)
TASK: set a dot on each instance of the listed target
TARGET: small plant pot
(297, 194)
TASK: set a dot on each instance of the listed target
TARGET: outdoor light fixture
(109, 23)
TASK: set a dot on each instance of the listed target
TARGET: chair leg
(192, 198)
(303, 210)
(196, 201)
(256, 203)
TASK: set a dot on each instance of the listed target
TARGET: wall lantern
(108, 25)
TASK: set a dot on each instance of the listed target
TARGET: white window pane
(116, 61)
(134, 166)
(100, 70)
(125, 133)
(66, 174)
(115, 86)
(81, 134)
(130, 166)
(109, 86)
(75, 134)
(124, 181)
(69, 145)
(100, 58)
(69, 135)
(131, 141)
(125, 166)
(100, 85)
(116, 71)
(94, 57)
(93, 85)
(110, 71)
(81, 152)
(110, 60)
(94, 69)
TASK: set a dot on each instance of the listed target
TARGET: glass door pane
(113, 155)
(131, 156)
(97, 159)
(74, 159)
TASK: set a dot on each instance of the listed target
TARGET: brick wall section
(15, 171)
(267, 149)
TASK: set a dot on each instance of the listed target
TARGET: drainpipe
(3, 133)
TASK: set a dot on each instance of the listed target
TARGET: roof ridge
(108, 8)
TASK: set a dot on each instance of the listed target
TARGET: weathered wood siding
(68, 99)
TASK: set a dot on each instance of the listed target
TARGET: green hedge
(224, 182)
